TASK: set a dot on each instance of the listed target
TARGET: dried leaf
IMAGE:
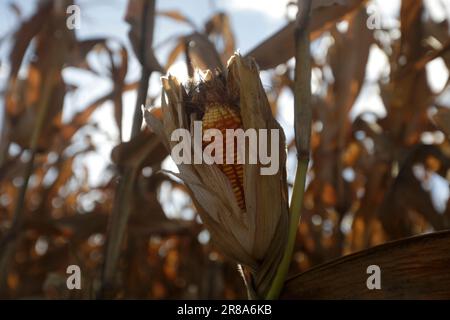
(408, 276)
(177, 16)
(279, 47)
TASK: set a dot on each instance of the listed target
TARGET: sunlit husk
(255, 238)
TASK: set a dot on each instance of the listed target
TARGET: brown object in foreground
(412, 268)
(255, 237)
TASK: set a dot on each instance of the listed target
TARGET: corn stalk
(9, 241)
(122, 203)
(302, 124)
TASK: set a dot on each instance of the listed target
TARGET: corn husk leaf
(256, 237)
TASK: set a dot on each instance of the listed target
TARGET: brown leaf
(411, 29)
(118, 74)
(279, 47)
(25, 34)
(404, 273)
(141, 17)
(81, 118)
(145, 148)
(177, 16)
(77, 56)
(219, 24)
(203, 53)
(200, 51)
(352, 47)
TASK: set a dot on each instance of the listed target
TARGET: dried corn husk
(256, 236)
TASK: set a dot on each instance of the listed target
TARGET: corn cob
(222, 117)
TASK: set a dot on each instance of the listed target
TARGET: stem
(124, 191)
(7, 244)
(295, 210)
(302, 119)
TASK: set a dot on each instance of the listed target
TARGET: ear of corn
(246, 213)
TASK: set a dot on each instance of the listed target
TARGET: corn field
(360, 181)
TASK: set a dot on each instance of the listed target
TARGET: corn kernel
(224, 117)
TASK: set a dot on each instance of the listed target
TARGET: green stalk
(302, 124)
(295, 210)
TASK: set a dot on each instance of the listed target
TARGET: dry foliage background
(125, 244)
